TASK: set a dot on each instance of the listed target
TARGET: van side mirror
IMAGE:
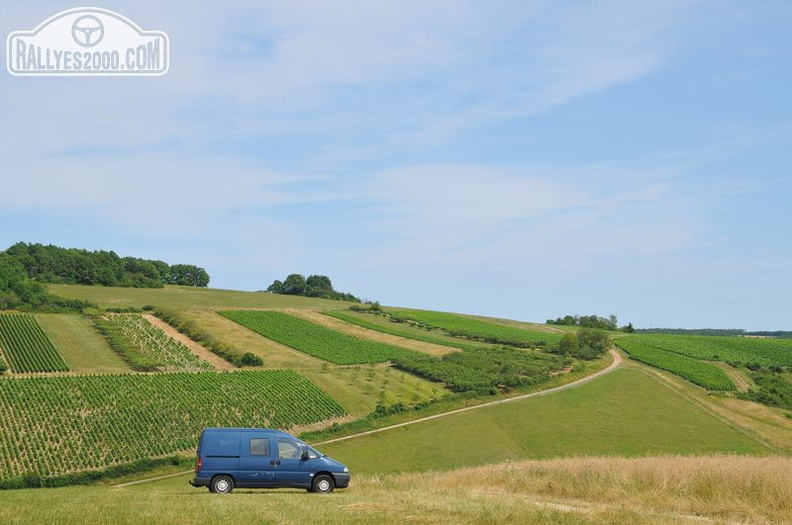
(305, 455)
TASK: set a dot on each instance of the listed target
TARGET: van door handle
(274, 462)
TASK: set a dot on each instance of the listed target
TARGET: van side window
(288, 449)
(259, 447)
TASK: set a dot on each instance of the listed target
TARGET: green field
(82, 347)
(705, 375)
(470, 327)
(54, 425)
(186, 297)
(314, 339)
(26, 347)
(737, 350)
(625, 413)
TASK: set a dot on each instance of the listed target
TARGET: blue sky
(525, 159)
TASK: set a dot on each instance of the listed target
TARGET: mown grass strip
(314, 339)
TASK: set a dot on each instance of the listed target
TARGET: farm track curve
(610, 368)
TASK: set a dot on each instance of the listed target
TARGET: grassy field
(185, 297)
(625, 413)
(83, 349)
(652, 491)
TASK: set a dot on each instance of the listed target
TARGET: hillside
(369, 370)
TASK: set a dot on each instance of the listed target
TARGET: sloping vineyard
(314, 339)
(55, 425)
(698, 372)
(467, 327)
(737, 350)
(25, 346)
(148, 347)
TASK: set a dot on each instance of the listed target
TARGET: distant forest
(24, 267)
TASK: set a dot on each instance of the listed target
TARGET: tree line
(52, 264)
(591, 321)
(25, 267)
(313, 286)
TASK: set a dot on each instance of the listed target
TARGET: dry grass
(725, 489)
(730, 488)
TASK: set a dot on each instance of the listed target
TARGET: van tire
(221, 485)
(323, 484)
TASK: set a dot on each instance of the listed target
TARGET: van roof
(236, 429)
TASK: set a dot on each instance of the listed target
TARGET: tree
(586, 343)
(318, 284)
(294, 284)
(275, 287)
(189, 275)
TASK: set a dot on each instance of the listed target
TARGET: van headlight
(346, 469)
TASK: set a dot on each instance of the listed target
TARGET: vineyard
(25, 346)
(381, 324)
(697, 372)
(485, 370)
(315, 340)
(467, 327)
(735, 350)
(51, 426)
(147, 347)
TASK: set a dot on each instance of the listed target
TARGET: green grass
(314, 339)
(83, 349)
(484, 329)
(624, 413)
(186, 297)
(705, 375)
(382, 324)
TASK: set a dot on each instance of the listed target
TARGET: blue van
(263, 458)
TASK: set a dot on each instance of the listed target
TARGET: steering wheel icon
(88, 31)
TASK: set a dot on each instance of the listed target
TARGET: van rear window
(221, 444)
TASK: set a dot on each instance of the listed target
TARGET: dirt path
(372, 335)
(216, 361)
(610, 368)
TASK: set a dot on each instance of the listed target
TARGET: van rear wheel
(221, 485)
(323, 484)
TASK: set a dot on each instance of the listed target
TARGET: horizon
(527, 161)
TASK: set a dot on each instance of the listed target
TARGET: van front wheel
(323, 484)
(221, 485)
